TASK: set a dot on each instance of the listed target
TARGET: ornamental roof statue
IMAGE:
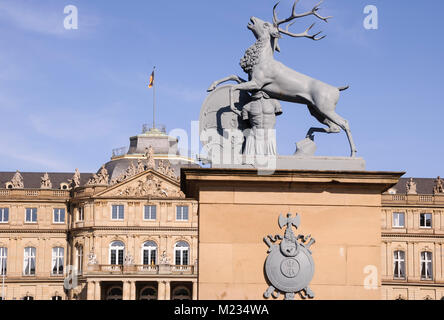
(100, 178)
(149, 154)
(438, 188)
(411, 186)
(75, 181)
(16, 181)
(45, 182)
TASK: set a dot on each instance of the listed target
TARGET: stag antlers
(293, 16)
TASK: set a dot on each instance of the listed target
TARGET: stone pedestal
(295, 162)
(238, 208)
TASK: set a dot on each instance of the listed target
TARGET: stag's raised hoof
(305, 148)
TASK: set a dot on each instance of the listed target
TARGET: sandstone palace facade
(129, 232)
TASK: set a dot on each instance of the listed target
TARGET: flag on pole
(150, 85)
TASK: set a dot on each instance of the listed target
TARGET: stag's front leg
(229, 78)
(246, 86)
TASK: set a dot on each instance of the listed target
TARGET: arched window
(148, 293)
(57, 260)
(149, 253)
(114, 293)
(28, 298)
(181, 293)
(181, 253)
(426, 265)
(116, 252)
(57, 297)
(29, 261)
(399, 264)
(3, 261)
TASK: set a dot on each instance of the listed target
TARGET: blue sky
(68, 97)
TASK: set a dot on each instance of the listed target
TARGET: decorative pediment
(147, 184)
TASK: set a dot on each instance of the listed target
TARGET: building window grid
(3, 261)
(29, 261)
(398, 220)
(31, 215)
(150, 212)
(4, 215)
(59, 215)
(182, 213)
(399, 264)
(426, 265)
(118, 212)
(57, 260)
(425, 220)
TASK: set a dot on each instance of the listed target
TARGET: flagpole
(154, 100)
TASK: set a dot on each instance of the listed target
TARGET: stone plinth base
(238, 208)
(298, 163)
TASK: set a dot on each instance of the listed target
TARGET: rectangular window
(117, 212)
(149, 213)
(29, 261)
(3, 261)
(59, 215)
(398, 220)
(31, 215)
(4, 215)
(425, 220)
(182, 213)
(81, 215)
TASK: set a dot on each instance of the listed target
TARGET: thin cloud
(184, 93)
(45, 20)
(20, 153)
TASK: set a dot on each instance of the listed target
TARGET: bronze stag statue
(280, 82)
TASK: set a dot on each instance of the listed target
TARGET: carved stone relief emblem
(289, 266)
(92, 259)
(150, 185)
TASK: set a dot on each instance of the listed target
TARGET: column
(410, 261)
(195, 290)
(97, 291)
(161, 290)
(167, 290)
(416, 264)
(126, 290)
(90, 291)
(132, 290)
(437, 262)
(384, 261)
(389, 260)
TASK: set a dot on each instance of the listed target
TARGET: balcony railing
(412, 199)
(140, 269)
(26, 193)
